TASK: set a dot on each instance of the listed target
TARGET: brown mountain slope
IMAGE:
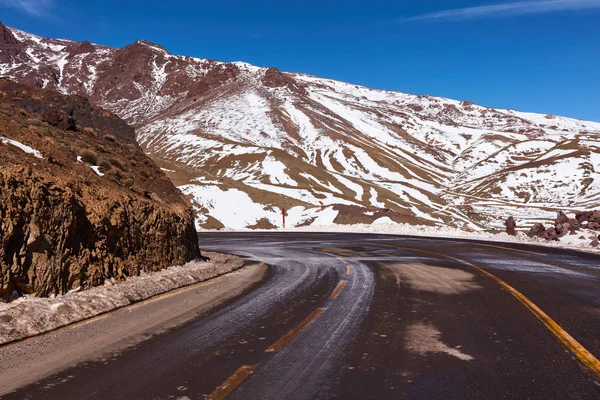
(245, 142)
(79, 201)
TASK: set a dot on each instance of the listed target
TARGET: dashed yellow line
(587, 358)
(285, 339)
(338, 289)
(231, 383)
(348, 267)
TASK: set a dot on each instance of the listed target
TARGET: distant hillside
(244, 142)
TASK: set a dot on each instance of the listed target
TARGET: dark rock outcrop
(10, 48)
(80, 48)
(511, 224)
(276, 79)
(56, 236)
(536, 230)
(563, 225)
(64, 225)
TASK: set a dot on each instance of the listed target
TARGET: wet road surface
(351, 316)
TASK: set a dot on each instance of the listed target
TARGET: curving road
(348, 316)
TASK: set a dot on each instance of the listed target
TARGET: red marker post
(283, 217)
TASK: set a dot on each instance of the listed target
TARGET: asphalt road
(350, 316)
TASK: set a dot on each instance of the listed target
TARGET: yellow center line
(285, 339)
(338, 289)
(231, 383)
(348, 267)
(587, 358)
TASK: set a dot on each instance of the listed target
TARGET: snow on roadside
(386, 226)
(24, 147)
(29, 316)
(237, 210)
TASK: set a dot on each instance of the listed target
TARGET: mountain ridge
(245, 142)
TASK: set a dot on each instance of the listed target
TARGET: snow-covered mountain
(245, 142)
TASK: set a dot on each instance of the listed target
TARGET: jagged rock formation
(79, 200)
(246, 142)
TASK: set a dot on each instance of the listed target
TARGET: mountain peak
(80, 48)
(273, 77)
(153, 46)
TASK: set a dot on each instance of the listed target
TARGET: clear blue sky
(537, 55)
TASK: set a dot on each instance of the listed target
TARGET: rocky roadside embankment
(30, 316)
(586, 224)
(80, 203)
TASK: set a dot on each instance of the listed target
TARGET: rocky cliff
(79, 200)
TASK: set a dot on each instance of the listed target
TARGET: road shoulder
(101, 337)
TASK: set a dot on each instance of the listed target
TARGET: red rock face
(84, 204)
(10, 48)
(276, 79)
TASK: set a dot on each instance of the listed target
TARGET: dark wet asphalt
(406, 323)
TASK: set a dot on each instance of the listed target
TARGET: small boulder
(510, 226)
(536, 230)
(594, 226)
(595, 243)
(551, 234)
(59, 119)
(583, 216)
(573, 225)
(561, 218)
(563, 228)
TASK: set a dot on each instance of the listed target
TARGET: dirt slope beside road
(79, 201)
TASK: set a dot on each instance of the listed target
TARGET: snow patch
(275, 170)
(23, 147)
(96, 170)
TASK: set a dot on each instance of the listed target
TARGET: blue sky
(537, 55)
